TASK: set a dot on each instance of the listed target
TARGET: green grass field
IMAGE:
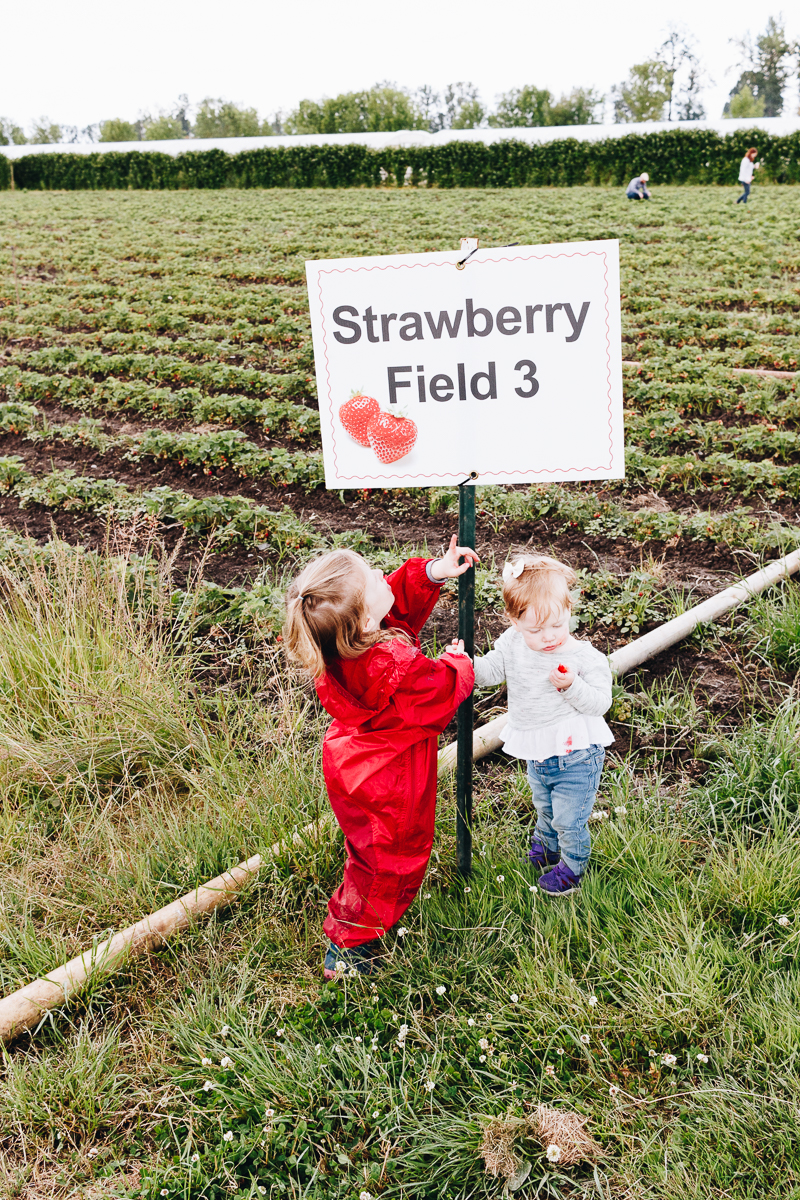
(159, 482)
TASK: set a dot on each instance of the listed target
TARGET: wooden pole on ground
(26, 1008)
(466, 633)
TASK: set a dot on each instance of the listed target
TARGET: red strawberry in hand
(391, 437)
(562, 669)
(356, 414)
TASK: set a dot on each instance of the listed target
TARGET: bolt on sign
(507, 365)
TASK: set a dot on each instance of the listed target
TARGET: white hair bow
(513, 570)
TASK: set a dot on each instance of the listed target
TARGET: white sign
(509, 367)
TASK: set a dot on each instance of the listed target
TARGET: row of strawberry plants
(599, 516)
(231, 519)
(136, 396)
(167, 368)
(211, 451)
(666, 431)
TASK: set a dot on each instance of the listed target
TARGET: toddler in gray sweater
(558, 690)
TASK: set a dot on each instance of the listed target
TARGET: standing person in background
(637, 188)
(746, 169)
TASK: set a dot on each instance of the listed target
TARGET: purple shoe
(540, 856)
(561, 881)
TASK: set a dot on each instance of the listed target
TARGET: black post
(466, 632)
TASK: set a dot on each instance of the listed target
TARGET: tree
(44, 133)
(522, 108)
(221, 119)
(767, 67)
(463, 107)
(11, 134)
(383, 108)
(578, 108)
(117, 130)
(684, 75)
(744, 104)
(645, 94)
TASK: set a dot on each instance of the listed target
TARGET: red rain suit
(379, 759)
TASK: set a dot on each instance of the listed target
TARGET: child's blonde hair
(537, 582)
(326, 613)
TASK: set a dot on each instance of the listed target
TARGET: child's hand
(562, 678)
(456, 647)
(448, 567)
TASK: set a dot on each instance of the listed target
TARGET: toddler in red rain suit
(358, 633)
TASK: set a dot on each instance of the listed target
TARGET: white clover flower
(668, 1060)
(427, 896)
(501, 878)
(553, 1153)
(195, 1157)
(341, 965)
(549, 1070)
(402, 931)
(164, 1192)
(208, 1086)
(441, 989)
(467, 889)
(318, 1048)
(429, 1085)
(352, 973)
(703, 1058)
(585, 1039)
(783, 920)
(224, 1031)
(593, 1001)
(279, 1032)
(358, 1039)
(269, 1113)
(514, 998)
(375, 1116)
(227, 1135)
(652, 1053)
(621, 810)
(482, 1058)
(95, 1150)
(226, 1062)
(206, 1062)
(262, 1191)
(559, 1049)
(484, 1043)
(613, 1090)
(365, 1196)
(595, 815)
(471, 1022)
(531, 887)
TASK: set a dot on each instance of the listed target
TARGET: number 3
(529, 374)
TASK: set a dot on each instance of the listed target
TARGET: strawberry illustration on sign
(391, 437)
(356, 414)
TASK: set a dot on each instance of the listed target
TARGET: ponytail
(326, 613)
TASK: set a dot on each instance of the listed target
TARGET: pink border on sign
(462, 474)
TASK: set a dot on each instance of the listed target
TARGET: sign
(509, 367)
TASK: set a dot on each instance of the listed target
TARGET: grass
(318, 1090)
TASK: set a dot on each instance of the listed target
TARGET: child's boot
(540, 856)
(561, 881)
(362, 959)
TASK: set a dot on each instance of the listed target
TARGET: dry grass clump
(552, 1127)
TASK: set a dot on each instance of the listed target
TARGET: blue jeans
(564, 788)
(743, 198)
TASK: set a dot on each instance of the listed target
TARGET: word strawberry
(356, 414)
(391, 437)
(562, 668)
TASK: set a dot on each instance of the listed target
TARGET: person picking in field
(358, 634)
(747, 167)
(558, 689)
(637, 188)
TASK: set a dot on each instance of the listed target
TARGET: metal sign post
(466, 632)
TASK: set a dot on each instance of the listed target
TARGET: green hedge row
(670, 156)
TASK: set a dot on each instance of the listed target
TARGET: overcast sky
(85, 61)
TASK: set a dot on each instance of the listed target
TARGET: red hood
(354, 690)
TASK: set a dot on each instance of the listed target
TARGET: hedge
(670, 156)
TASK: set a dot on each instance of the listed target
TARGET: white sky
(85, 61)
